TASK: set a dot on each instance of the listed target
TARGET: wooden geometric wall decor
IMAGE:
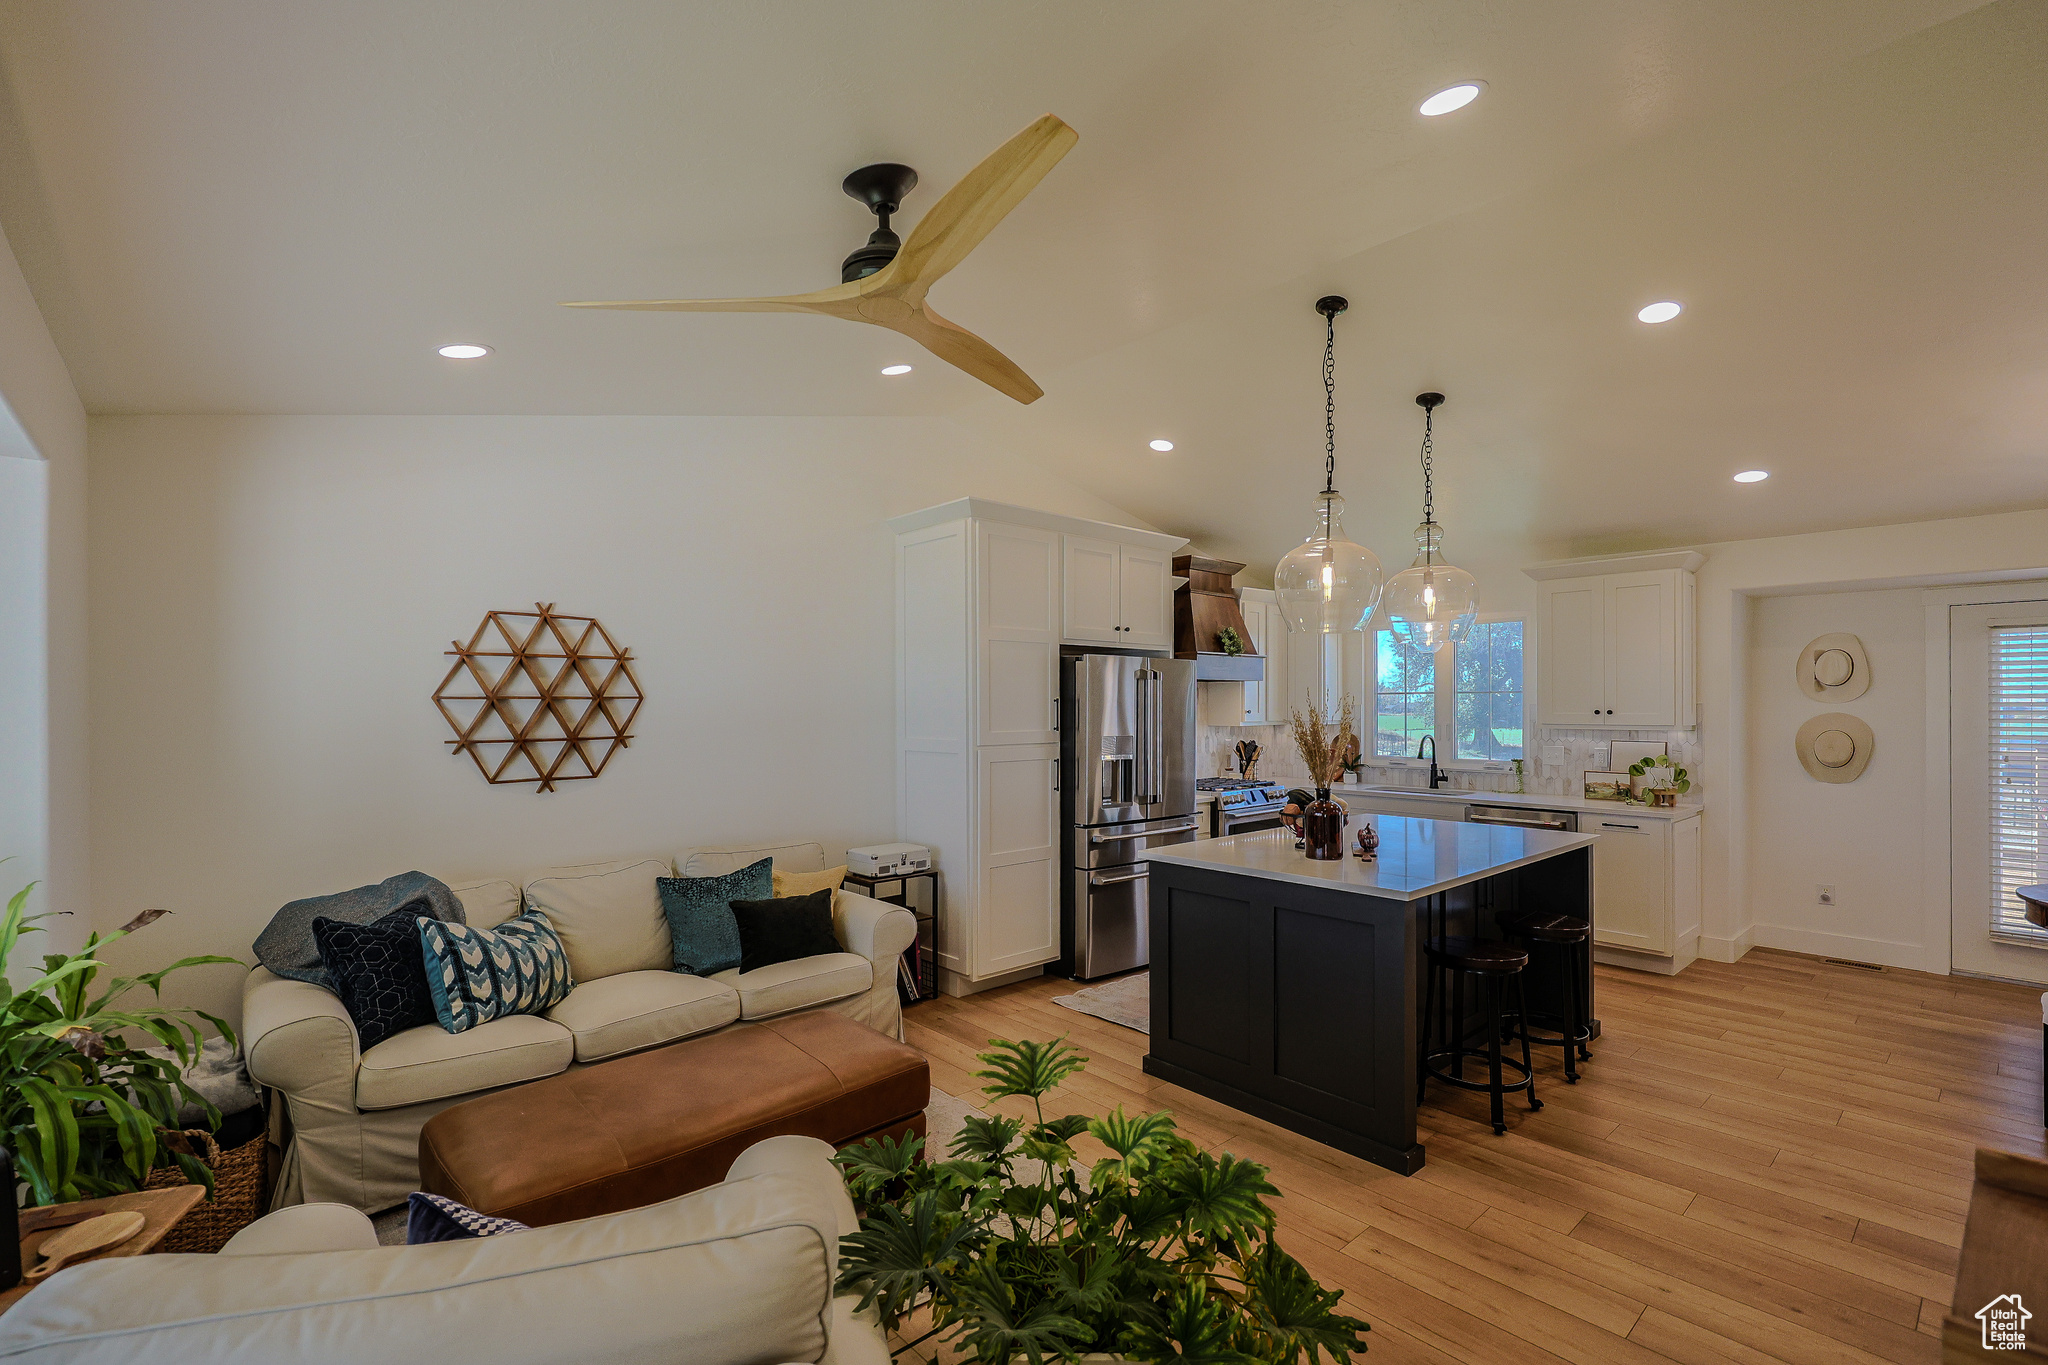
(536, 696)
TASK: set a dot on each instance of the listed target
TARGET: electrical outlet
(1824, 895)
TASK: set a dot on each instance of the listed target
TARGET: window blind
(2019, 776)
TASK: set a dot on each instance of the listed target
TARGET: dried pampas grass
(1324, 748)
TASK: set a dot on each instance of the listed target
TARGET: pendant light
(1329, 582)
(1430, 603)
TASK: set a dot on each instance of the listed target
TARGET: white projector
(888, 860)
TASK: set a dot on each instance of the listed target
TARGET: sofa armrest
(304, 1227)
(877, 930)
(296, 1035)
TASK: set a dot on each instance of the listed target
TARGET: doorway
(1998, 786)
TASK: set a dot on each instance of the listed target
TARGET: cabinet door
(1315, 670)
(1254, 692)
(1090, 612)
(1145, 598)
(1273, 694)
(1572, 647)
(1017, 913)
(1018, 609)
(1685, 880)
(1642, 649)
(1631, 906)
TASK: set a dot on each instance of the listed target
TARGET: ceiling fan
(884, 282)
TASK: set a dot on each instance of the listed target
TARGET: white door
(1017, 923)
(1631, 905)
(1572, 649)
(1642, 650)
(1145, 598)
(1091, 613)
(1018, 606)
(1998, 798)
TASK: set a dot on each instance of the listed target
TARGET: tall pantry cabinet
(983, 602)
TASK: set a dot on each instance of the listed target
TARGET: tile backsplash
(1581, 750)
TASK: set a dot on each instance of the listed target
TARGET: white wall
(272, 599)
(42, 618)
(1864, 837)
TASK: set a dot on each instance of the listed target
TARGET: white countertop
(1353, 796)
(1417, 858)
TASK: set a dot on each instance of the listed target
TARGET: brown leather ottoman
(631, 1132)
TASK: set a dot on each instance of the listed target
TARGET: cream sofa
(739, 1274)
(354, 1117)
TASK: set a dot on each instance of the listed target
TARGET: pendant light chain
(1330, 403)
(1428, 451)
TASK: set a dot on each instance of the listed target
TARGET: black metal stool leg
(1457, 1039)
(1428, 1018)
(1528, 1066)
(1574, 1014)
(1500, 1122)
(1582, 973)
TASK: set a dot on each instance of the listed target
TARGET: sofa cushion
(800, 984)
(429, 1063)
(608, 914)
(488, 902)
(633, 1010)
(477, 975)
(717, 860)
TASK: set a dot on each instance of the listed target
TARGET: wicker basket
(239, 1177)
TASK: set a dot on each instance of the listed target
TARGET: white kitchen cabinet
(985, 595)
(1254, 703)
(1615, 648)
(1115, 592)
(1326, 667)
(1646, 888)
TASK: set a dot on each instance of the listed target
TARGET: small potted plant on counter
(1021, 1250)
(1663, 780)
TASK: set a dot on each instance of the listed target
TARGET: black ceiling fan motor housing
(882, 188)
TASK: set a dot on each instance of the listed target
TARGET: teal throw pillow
(699, 911)
(476, 975)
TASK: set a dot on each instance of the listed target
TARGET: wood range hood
(1203, 605)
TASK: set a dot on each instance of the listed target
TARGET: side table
(917, 972)
(160, 1210)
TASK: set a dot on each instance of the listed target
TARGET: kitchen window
(1468, 696)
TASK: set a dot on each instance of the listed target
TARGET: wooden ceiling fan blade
(970, 210)
(967, 352)
(838, 301)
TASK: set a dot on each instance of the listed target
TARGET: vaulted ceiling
(247, 206)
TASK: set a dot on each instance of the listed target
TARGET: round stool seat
(1484, 956)
(1548, 928)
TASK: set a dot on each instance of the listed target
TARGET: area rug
(1126, 1000)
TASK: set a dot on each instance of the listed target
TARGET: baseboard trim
(954, 984)
(1687, 954)
(1728, 949)
(1815, 943)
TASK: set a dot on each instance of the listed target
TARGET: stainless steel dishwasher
(1566, 821)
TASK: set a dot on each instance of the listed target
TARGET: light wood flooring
(1765, 1161)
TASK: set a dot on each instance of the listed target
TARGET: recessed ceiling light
(1457, 97)
(895, 369)
(1753, 476)
(1660, 312)
(1162, 446)
(465, 351)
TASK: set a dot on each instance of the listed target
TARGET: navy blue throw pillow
(378, 971)
(699, 913)
(436, 1218)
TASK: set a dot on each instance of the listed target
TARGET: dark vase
(10, 1231)
(1322, 827)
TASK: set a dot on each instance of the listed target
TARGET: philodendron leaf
(1197, 1330)
(1001, 1326)
(1298, 1316)
(986, 1137)
(1138, 1142)
(893, 1258)
(1029, 1068)
(878, 1161)
(1223, 1196)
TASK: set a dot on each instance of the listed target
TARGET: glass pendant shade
(1430, 603)
(1329, 582)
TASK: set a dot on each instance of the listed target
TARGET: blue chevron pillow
(476, 975)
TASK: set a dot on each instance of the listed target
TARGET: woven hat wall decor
(539, 697)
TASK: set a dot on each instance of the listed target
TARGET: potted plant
(80, 1105)
(1663, 780)
(1021, 1250)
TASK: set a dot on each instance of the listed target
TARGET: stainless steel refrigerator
(1127, 784)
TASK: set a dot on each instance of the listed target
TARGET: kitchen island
(1292, 989)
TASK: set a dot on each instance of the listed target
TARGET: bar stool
(1567, 941)
(1496, 965)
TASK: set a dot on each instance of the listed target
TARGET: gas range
(1239, 804)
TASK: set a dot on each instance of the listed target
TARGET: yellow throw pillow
(806, 883)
